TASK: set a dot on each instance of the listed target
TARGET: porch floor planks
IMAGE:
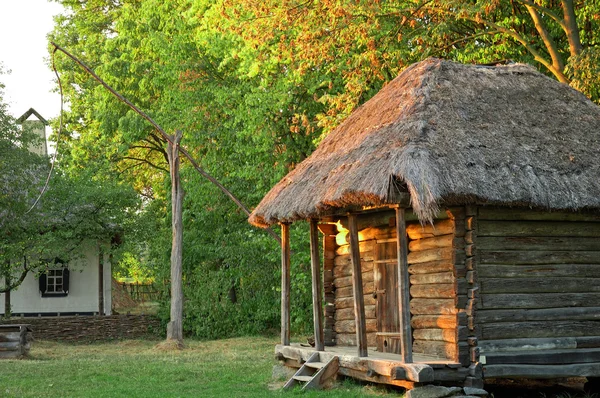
(387, 367)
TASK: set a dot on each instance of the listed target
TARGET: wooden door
(386, 289)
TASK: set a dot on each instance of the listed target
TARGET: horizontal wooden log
(10, 345)
(430, 255)
(545, 357)
(377, 379)
(348, 313)
(528, 257)
(538, 228)
(538, 271)
(441, 277)
(345, 268)
(542, 371)
(526, 344)
(448, 335)
(540, 243)
(538, 300)
(434, 321)
(349, 326)
(439, 349)
(366, 246)
(349, 339)
(536, 329)
(542, 314)
(417, 231)
(542, 285)
(368, 288)
(10, 336)
(435, 242)
(342, 238)
(447, 374)
(524, 214)
(367, 277)
(348, 302)
(431, 267)
(434, 290)
(423, 306)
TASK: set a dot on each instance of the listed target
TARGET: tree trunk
(175, 326)
(7, 304)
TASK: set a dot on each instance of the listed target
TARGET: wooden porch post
(357, 288)
(403, 287)
(285, 284)
(316, 286)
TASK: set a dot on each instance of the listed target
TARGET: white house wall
(83, 291)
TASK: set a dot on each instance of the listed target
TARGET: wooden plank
(346, 260)
(359, 304)
(543, 243)
(536, 329)
(355, 374)
(349, 339)
(542, 371)
(529, 257)
(10, 336)
(403, 287)
(285, 284)
(441, 277)
(343, 314)
(366, 246)
(317, 291)
(349, 326)
(344, 270)
(422, 306)
(542, 285)
(386, 286)
(429, 255)
(347, 281)
(418, 231)
(538, 271)
(543, 314)
(431, 267)
(448, 335)
(342, 292)
(525, 214)
(526, 344)
(434, 290)
(450, 374)
(343, 237)
(440, 349)
(435, 242)
(538, 228)
(538, 300)
(544, 357)
(348, 302)
(434, 321)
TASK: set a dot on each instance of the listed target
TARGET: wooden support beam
(285, 284)
(403, 287)
(316, 286)
(357, 288)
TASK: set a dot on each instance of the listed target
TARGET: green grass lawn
(225, 368)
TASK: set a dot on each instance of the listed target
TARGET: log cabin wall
(539, 299)
(437, 277)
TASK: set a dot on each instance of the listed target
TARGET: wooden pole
(357, 288)
(403, 287)
(285, 284)
(316, 286)
(100, 280)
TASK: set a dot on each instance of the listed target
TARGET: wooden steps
(313, 373)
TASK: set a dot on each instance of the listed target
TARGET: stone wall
(91, 328)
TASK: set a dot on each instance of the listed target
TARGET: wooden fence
(141, 292)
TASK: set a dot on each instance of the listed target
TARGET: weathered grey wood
(285, 284)
(528, 257)
(10, 336)
(526, 344)
(525, 214)
(386, 287)
(544, 357)
(440, 349)
(538, 271)
(441, 277)
(348, 313)
(535, 329)
(538, 228)
(349, 326)
(349, 339)
(429, 255)
(588, 341)
(348, 302)
(542, 285)
(317, 290)
(542, 371)
(538, 300)
(450, 374)
(543, 314)
(422, 306)
(543, 243)
(434, 321)
(403, 287)
(359, 304)
(434, 290)
(326, 372)
(448, 335)
(431, 267)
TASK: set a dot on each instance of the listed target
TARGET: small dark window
(55, 283)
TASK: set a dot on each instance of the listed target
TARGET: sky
(24, 25)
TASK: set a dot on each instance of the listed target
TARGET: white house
(81, 286)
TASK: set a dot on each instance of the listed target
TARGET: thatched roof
(453, 134)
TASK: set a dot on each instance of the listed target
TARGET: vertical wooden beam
(357, 288)
(403, 287)
(315, 261)
(285, 284)
(100, 280)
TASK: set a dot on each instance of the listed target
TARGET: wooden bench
(15, 341)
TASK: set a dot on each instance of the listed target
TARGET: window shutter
(42, 282)
(66, 280)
